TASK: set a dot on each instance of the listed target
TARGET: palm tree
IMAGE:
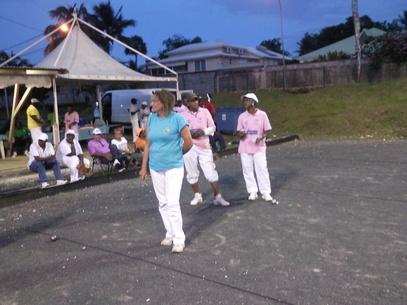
(136, 42)
(403, 19)
(63, 14)
(16, 62)
(111, 23)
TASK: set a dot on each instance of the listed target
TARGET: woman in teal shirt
(168, 138)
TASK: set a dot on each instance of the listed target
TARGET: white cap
(43, 137)
(251, 96)
(144, 103)
(97, 131)
(70, 131)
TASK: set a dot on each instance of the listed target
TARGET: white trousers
(256, 162)
(135, 125)
(167, 186)
(205, 159)
(35, 133)
(71, 163)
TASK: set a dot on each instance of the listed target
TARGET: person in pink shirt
(201, 125)
(71, 121)
(253, 126)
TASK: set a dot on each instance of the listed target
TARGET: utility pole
(282, 45)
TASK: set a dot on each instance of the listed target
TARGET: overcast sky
(241, 22)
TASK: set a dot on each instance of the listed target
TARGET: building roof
(347, 45)
(211, 49)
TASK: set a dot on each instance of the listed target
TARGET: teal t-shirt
(166, 142)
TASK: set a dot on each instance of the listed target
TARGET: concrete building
(215, 55)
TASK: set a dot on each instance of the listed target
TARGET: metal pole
(282, 44)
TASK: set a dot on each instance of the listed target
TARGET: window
(200, 65)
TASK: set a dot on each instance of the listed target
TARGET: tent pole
(55, 127)
(99, 101)
(15, 110)
(128, 47)
(34, 44)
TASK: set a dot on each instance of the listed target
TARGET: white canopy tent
(77, 60)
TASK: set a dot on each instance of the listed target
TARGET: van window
(107, 107)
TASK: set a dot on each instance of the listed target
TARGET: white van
(116, 102)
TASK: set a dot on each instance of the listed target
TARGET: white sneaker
(14, 154)
(267, 197)
(166, 241)
(253, 196)
(178, 248)
(220, 201)
(197, 199)
(61, 182)
(116, 162)
(44, 185)
(27, 153)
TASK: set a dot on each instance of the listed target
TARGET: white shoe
(267, 197)
(27, 153)
(61, 182)
(178, 248)
(116, 162)
(14, 154)
(253, 196)
(166, 241)
(44, 185)
(220, 201)
(197, 199)
(121, 170)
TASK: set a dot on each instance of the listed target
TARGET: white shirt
(121, 145)
(37, 151)
(133, 117)
(64, 148)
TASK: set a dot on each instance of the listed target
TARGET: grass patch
(359, 111)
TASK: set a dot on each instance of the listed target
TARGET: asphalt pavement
(338, 236)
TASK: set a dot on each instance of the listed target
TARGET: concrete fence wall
(306, 75)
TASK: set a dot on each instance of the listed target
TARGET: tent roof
(87, 62)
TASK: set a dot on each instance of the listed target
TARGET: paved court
(339, 236)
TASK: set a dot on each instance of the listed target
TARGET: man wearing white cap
(144, 113)
(34, 120)
(253, 126)
(42, 157)
(70, 154)
(100, 148)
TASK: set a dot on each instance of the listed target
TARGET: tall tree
(331, 34)
(176, 42)
(63, 14)
(16, 62)
(111, 22)
(136, 42)
(274, 45)
(403, 20)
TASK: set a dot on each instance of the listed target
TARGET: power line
(23, 25)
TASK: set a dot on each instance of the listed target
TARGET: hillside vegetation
(357, 112)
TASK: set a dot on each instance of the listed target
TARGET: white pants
(35, 133)
(71, 163)
(259, 161)
(135, 125)
(205, 159)
(167, 186)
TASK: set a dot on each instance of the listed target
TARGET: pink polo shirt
(255, 125)
(69, 118)
(201, 119)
